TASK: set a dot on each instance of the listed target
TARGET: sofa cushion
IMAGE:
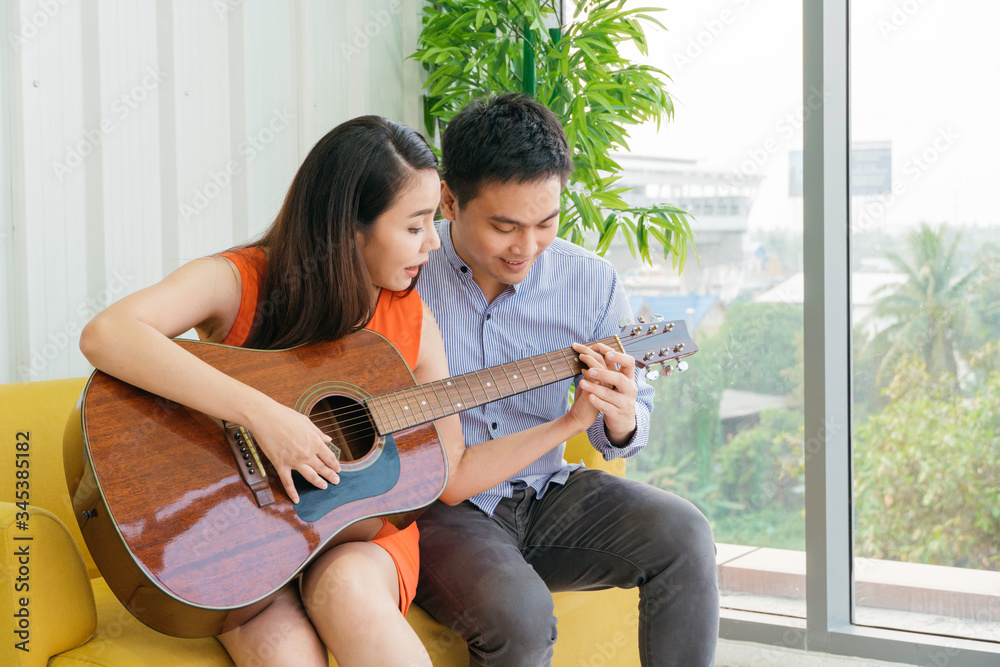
(40, 409)
(123, 641)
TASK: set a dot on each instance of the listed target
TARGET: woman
(344, 251)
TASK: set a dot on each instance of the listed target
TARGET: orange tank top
(399, 318)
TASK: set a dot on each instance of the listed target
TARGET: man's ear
(449, 205)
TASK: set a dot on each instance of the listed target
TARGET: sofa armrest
(46, 601)
(578, 448)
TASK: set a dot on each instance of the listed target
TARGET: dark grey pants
(489, 579)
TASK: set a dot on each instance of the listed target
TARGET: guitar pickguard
(373, 480)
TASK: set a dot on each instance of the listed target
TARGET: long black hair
(315, 285)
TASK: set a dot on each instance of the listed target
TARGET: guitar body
(173, 524)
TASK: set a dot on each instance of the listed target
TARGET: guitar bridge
(244, 450)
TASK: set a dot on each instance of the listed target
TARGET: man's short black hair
(510, 137)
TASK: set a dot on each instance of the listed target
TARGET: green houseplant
(475, 48)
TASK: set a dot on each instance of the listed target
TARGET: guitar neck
(426, 402)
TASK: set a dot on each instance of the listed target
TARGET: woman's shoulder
(243, 259)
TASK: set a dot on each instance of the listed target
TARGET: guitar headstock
(657, 342)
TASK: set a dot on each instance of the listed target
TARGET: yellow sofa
(57, 610)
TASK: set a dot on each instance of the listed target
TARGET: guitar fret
(406, 398)
(376, 417)
(573, 362)
(391, 423)
(494, 381)
(426, 414)
(569, 360)
(380, 414)
(534, 367)
(399, 412)
(408, 407)
(440, 411)
(466, 403)
(451, 404)
(548, 363)
(486, 395)
(503, 367)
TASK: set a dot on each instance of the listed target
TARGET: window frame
(829, 626)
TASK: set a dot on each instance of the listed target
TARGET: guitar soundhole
(348, 423)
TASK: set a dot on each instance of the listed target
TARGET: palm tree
(929, 314)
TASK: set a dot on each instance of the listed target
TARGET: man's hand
(613, 392)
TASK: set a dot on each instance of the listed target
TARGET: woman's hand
(291, 441)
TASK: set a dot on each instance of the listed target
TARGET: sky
(923, 77)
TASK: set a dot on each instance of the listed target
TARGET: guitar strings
(344, 420)
(352, 417)
(361, 414)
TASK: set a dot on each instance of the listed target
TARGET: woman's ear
(448, 203)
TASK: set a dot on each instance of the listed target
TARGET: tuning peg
(640, 320)
(682, 366)
(657, 317)
(625, 321)
(667, 370)
(669, 327)
(652, 375)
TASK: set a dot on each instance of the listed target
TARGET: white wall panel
(268, 144)
(145, 133)
(204, 148)
(129, 224)
(7, 350)
(49, 160)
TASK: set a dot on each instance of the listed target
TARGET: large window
(840, 426)
(925, 266)
(728, 434)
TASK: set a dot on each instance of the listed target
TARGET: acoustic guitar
(189, 523)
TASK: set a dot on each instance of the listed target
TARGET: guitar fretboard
(426, 402)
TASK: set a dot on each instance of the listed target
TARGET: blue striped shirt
(569, 295)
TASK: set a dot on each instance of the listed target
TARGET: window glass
(925, 269)
(728, 433)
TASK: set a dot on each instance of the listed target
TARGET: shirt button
(493, 426)
(488, 316)
(465, 269)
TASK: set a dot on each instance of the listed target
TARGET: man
(503, 287)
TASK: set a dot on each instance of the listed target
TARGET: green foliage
(773, 527)
(476, 48)
(682, 479)
(985, 293)
(757, 343)
(754, 350)
(927, 473)
(929, 314)
(760, 466)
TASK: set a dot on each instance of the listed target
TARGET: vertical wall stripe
(169, 199)
(8, 347)
(96, 124)
(303, 74)
(238, 119)
(268, 147)
(50, 199)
